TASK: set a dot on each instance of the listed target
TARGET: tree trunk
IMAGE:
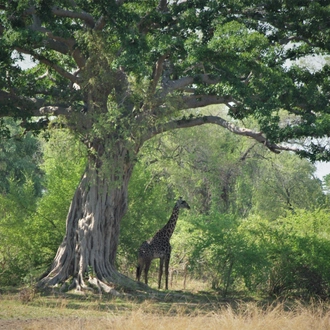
(88, 250)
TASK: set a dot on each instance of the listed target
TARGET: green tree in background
(121, 72)
(20, 187)
(32, 227)
(20, 157)
(287, 256)
(232, 248)
(64, 159)
(209, 165)
(284, 185)
(327, 183)
(16, 206)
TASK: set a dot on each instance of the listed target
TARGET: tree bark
(88, 250)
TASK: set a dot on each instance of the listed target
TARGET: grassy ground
(26, 309)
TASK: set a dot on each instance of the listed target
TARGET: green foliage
(298, 246)
(150, 206)
(64, 164)
(327, 183)
(32, 227)
(242, 45)
(266, 233)
(209, 165)
(285, 257)
(226, 253)
(20, 156)
(285, 184)
(15, 207)
(196, 165)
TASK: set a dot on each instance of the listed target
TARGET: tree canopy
(142, 61)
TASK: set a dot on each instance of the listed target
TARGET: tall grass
(250, 318)
(244, 316)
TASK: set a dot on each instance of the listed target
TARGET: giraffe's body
(159, 247)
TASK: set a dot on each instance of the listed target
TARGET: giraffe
(159, 247)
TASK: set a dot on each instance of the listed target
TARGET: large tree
(120, 72)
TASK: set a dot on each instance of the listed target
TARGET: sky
(322, 169)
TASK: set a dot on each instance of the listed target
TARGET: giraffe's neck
(168, 229)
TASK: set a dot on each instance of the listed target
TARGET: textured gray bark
(88, 250)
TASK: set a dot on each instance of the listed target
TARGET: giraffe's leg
(146, 270)
(139, 269)
(167, 262)
(161, 266)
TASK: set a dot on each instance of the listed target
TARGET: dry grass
(247, 318)
(89, 312)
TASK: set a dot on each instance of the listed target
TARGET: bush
(31, 227)
(284, 257)
(16, 207)
(299, 254)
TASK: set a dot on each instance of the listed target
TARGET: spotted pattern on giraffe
(159, 247)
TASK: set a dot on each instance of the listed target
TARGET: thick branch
(186, 123)
(32, 106)
(57, 68)
(287, 40)
(99, 25)
(87, 18)
(57, 43)
(181, 83)
(197, 101)
(50, 64)
(54, 110)
(162, 5)
(62, 45)
(157, 72)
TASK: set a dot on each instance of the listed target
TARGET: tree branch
(99, 25)
(158, 69)
(68, 42)
(183, 82)
(197, 101)
(54, 110)
(32, 106)
(63, 45)
(287, 40)
(57, 43)
(186, 123)
(162, 5)
(87, 18)
(50, 64)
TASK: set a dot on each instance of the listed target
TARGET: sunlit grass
(174, 311)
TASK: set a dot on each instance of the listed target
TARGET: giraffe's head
(181, 204)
